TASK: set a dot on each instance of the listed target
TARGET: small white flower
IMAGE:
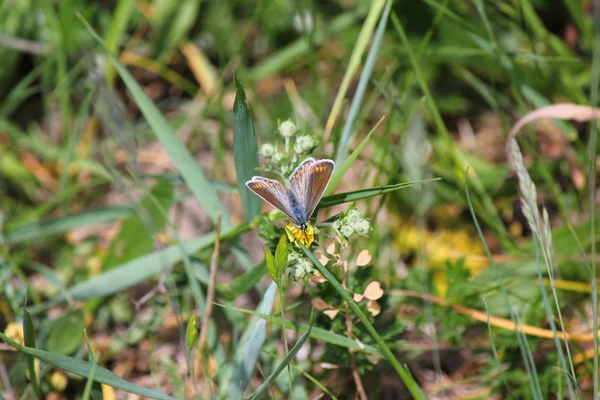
(267, 150)
(301, 269)
(346, 230)
(362, 228)
(336, 224)
(304, 144)
(287, 129)
(354, 217)
(277, 156)
(292, 257)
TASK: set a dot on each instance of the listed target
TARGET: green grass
(116, 164)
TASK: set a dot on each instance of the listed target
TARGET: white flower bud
(287, 129)
(301, 270)
(362, 227)
(347, 230)
(277, 156)
(354, 216)
(266, 150)
(292, 257)
(304, 144)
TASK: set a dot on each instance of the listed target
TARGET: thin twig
(211, 288)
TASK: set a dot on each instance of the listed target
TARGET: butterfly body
(306, 187)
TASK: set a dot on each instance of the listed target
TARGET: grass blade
(135, 271)
(341, 170)
(404, 374)
(365, 76)
(245, 152)
(316, 332)
(347, 197)
(191, 172)
(118, 26)
(249, 348)
(83, 368)
(39, 229)
(357, 52)
(269, 381)
(29, 334)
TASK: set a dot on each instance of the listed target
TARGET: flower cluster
(299, 266)
(351, 222)
(295, 147)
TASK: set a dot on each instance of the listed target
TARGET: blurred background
(96, 211)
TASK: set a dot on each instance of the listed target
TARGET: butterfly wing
(309, 182)
(273, 193)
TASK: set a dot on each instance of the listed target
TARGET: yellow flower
(15, 332)
(59, 380)
(306, 236)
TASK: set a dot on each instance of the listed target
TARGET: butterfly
(298, 201)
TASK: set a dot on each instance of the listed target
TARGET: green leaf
(64, 334)
(83, 368)
(29, 334)
(191, 333)
(341, 170)
(234, 383)
(245, 152)
(403, 373)
(271, 265)
(269, 381)
(38, 229)
(316, 333)
(348, 197)
(185, 163)
(281, 256)
(118, 26)
(242, 283)
(135, 271)
(365, 77)
(355, 58)
(136, 236)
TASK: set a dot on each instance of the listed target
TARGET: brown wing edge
(319, 177)
(272, 192)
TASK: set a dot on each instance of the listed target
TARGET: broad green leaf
(185, 163)
(245, 152)
(288, 358)
(235, 381)
(64, 334)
